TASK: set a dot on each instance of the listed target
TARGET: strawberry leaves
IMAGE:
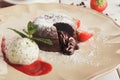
(100, 2)
(31, 29)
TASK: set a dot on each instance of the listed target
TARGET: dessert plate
(95, 56)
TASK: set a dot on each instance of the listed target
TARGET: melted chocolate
(66, 38)
(68, 43)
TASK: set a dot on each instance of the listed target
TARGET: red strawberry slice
(35, 69)
(84, 36)
(78, 23)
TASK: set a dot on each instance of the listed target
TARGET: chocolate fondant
(61, 29)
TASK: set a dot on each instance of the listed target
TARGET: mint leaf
(46, 41)
(25, 31)
(32, 28)
(20, 33)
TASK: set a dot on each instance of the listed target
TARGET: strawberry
(84, 36)
(78, 23)
(98, 5)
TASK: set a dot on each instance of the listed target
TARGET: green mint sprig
(31, 29)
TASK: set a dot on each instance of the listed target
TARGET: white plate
(95, 56)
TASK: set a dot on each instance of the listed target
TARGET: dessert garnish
(31, 29)
(62, 30)
(23, 53)
(78, 23)
(84, 36)
(51, 32)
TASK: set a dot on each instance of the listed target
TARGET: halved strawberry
(84, 36)
(78, 23)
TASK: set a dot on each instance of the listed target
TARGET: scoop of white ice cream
(22, 51)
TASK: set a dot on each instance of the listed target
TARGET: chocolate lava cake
(61, 29)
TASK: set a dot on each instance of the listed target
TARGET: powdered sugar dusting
(47, 20)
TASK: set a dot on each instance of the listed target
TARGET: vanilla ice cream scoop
(22, 51)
